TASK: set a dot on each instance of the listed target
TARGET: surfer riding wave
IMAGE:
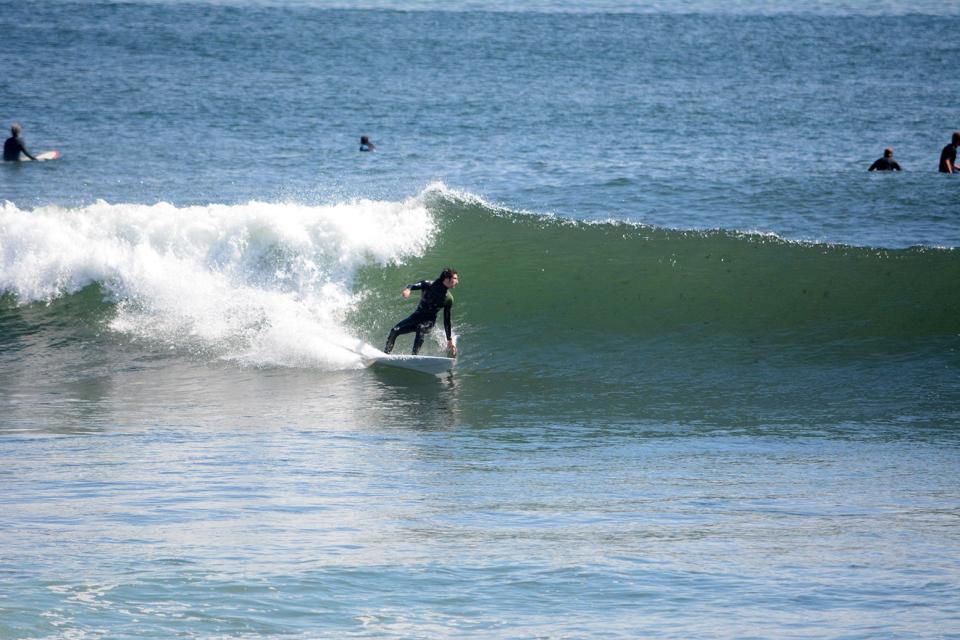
(433, 297)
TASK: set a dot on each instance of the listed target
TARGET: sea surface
(709, 373)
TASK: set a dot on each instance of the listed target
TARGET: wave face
(629, 279)
(270, 284)
(602, 292)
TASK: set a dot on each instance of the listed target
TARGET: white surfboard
(46, 155)
(424, 364)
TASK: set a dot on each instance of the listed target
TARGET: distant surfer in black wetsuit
(366, 145)
(14, 145)
(433, 297)
(886, 163)
(948, 157)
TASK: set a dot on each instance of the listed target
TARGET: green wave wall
(547, 279)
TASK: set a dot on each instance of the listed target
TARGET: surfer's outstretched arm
(416, 286)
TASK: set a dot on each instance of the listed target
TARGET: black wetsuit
(884, 164)
(12, 148)
(435, 296)
(949, 153)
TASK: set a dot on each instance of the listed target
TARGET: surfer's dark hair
(448, 272)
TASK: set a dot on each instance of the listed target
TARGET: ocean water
(708, 382)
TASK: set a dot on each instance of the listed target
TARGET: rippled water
(561, 531)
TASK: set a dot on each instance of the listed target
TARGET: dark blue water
(709, 371)
(704, 120)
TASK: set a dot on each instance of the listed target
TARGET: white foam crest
(262, 283)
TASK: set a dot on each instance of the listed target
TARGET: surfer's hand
(406, 293)
(452, 348)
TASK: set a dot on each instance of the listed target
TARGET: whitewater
(260, 283)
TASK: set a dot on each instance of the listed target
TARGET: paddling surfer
(433, 297)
